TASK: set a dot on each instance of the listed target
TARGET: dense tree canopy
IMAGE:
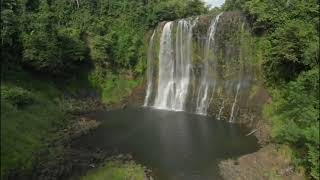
(53, 36)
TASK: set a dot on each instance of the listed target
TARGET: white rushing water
(166, 93)
(150, 69)
(174, 66)
(183, 62)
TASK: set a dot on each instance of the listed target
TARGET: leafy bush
(17, 96)
(173, 9)
(113, 87)
(291, 51)
(295, 118)
(53, 52)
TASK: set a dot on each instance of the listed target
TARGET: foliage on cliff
(290, 31)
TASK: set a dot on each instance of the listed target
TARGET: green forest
(56, 53)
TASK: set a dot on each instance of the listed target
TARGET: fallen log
(255, 130)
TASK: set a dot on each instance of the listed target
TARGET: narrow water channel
(175, 145)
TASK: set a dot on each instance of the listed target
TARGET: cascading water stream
(165, 93)
(150, 69)
(183, 62)
(234, 103)
(208, 83)
(174, 71)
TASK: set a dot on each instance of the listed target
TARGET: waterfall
(193, 64)
(183, 62)
(174, 66)
(165, 94)
(207, 85)
(150, 70)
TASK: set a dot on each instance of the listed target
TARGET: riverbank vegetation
(27, 115)
(33, 111)
(289, 34)
(44, 47)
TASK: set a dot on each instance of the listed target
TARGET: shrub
(17, 96)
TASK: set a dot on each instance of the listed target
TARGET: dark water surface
(175, 145)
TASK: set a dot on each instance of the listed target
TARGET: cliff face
(223, 77)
